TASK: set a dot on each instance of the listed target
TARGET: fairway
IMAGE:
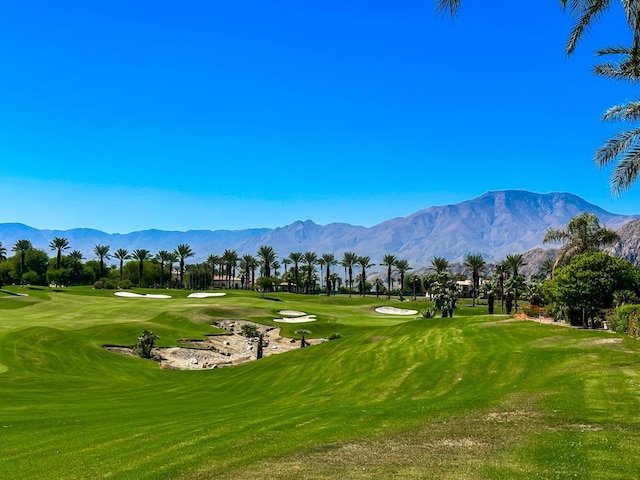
(469, 397)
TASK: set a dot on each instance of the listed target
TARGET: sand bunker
(139, 295)
(221, 350)
(291, 313)
(206, 294)
(301, 319)
(395, 311)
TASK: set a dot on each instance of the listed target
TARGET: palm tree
(320, 262)
(102, 252)
(414, 280)
(476, 265)
(402, 266)
(163, 257)
(21, 248)
(378, 285)
(122, 254)
(296, 258)
(213, 260)
(310, 258)
(247, 262)
(275, 265)
(514, 263)
(3, 253)
(230, 259)
(141, 255)
(389, 261)
(365, 263)
(501, 271)
(171, 259)
(76, 256)
(267, 256)
(183, 251)
(349, 259)
(59, 244)
(583, 233)
(329, 260)
(439, 265)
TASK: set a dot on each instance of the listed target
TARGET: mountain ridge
(493, 224)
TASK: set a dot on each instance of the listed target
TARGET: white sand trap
(206, 294)
(302, 319)
(395, 311)
(291, 313)
(138, 295)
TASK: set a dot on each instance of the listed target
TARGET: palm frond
(452, 5)
(616, 146)
(618, 50)
(626, 171)
(629, 112)
(586, 11)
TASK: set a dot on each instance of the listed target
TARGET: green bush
(98, 285)
(335, 336)
(428, 312)
(126, 284)
(625, 319)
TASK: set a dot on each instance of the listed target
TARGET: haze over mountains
(494, 224)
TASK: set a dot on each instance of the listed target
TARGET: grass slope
(464, 398)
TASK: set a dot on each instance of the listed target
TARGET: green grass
(471, 397)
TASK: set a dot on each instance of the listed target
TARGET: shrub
(108, 284)
(98, 285)
(249, 331)
(144, 343)
(625, 319)
(533, 311)
(428, 312)
(335, 336)
(126, 284)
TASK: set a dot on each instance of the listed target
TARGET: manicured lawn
(471, 397)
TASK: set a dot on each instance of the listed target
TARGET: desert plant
(144, 343)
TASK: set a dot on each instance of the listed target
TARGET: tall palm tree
(514, 262)
(21, 248)
(296, 258)
(163, 257)
(476, 265)
(329, 260)
(414, 280)
(171, 259)
(583, 233)
(76, 256)
(320, 263)
(141, 255)
(122, 254)
(275, 265)
(402, 266)
(439, 265)
(310, 258)
(389, 261)
(183, 251)
(59, 244)
(365, 263)
(286, 261)
(349, 259)
(501, 271)
(247, 262)
(230, 259)
(213, 260)
(267, 256)
(102, 252)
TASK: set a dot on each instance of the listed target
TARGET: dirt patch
(603, 341)
(222, 350)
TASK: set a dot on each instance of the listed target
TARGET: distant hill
(494, 225)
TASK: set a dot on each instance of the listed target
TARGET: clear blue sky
(202, 114)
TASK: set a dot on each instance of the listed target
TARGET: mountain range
(494, 225)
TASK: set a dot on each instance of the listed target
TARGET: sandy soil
(138, 295)
(291, 313)
(396, 311)
(221, 350)
(302, 319)
(206, 294)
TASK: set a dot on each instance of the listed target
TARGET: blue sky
(124, 116)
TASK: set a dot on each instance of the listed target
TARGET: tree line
(576, 285)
